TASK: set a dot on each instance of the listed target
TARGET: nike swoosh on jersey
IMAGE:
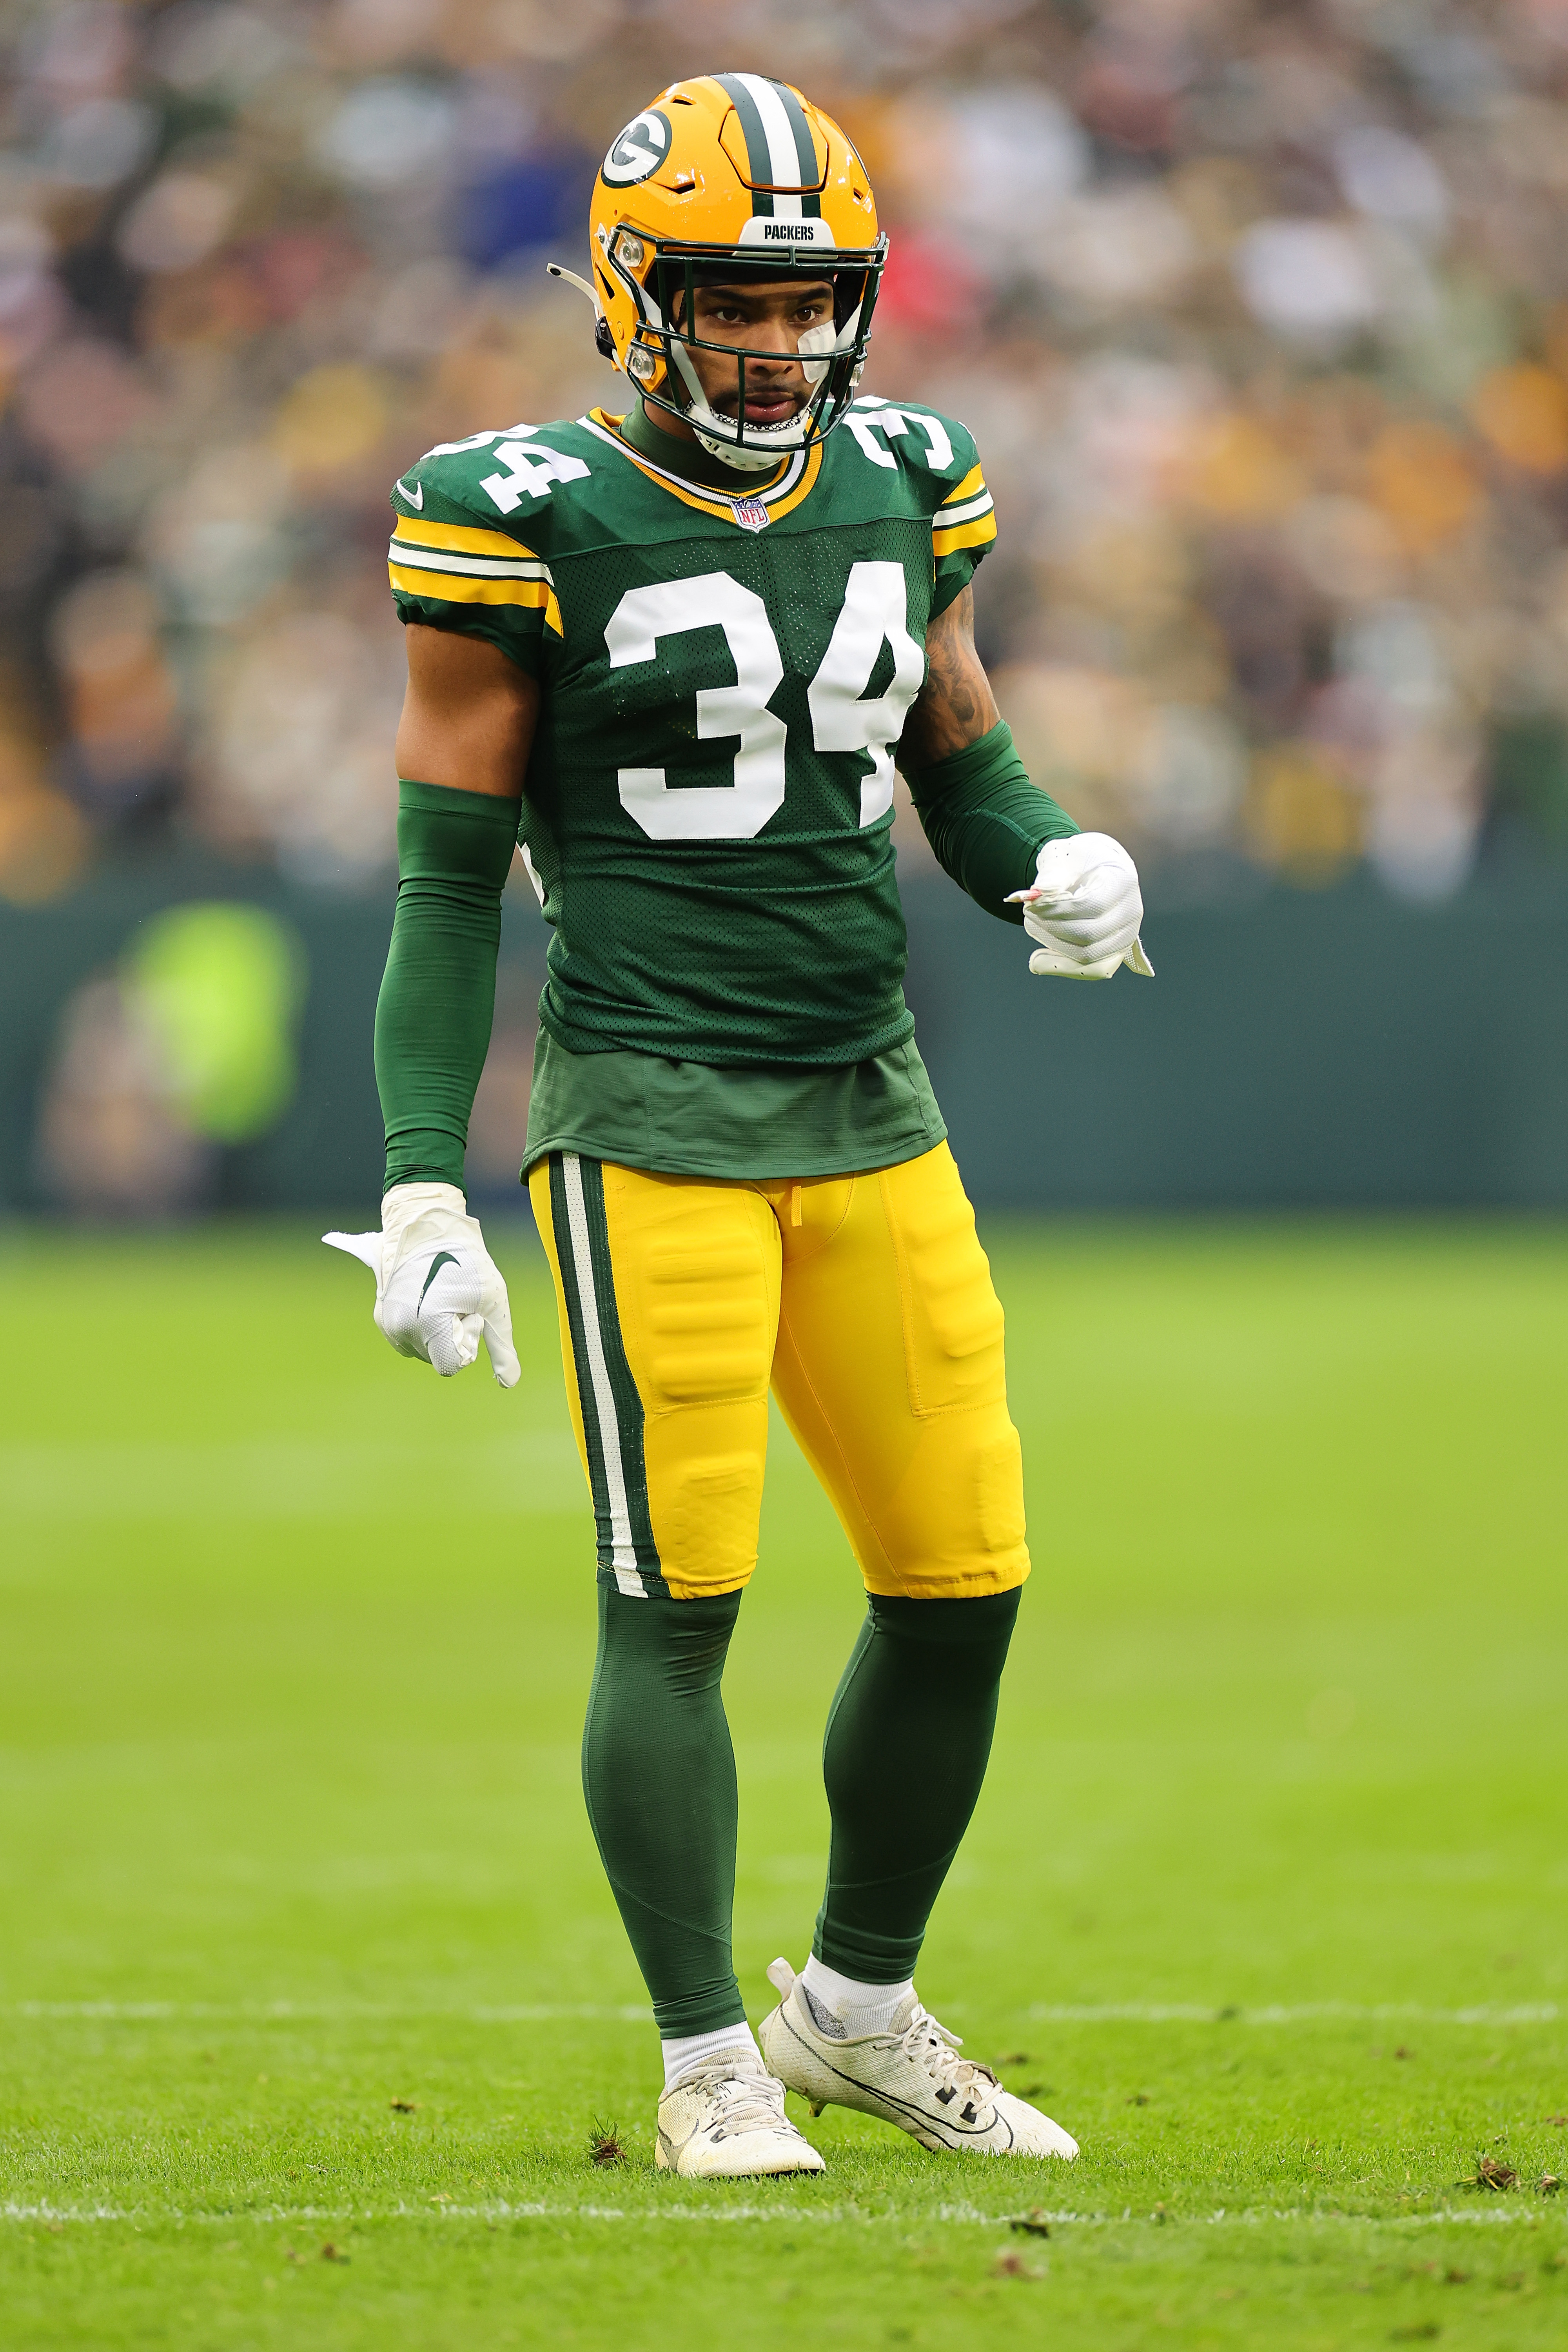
(441, 1258)
(416, 497)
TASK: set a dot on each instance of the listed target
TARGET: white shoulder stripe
(945, 517)
(478, 567)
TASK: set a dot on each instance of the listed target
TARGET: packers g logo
(639, 150)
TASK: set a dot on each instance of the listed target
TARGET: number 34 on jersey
(707, 810)
(721, 680)
(843, 715)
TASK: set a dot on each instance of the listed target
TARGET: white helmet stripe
(783, 159)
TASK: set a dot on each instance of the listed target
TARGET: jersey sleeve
(453, 566)
(963, 527)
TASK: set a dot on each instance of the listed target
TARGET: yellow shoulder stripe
(970, 486)
(463, 588)
(979, 533)
(461, 540)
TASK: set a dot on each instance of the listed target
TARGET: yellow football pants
(864, 1303)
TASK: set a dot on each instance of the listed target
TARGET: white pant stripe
(624, 1553)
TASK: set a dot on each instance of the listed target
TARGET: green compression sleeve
(437, 997)
(986, 821)
(659, 1773)
(906, 1750)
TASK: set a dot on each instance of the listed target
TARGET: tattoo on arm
(955, 707)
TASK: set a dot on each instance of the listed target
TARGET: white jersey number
(875, 612)
(530, 468)
(867, 417)
(667, 610)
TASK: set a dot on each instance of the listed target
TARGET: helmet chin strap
(717, 444)
(815, 348)
(748, 460)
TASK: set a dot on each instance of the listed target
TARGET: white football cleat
(725, 2119)
(911, 2075)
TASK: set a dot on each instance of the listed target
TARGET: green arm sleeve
(437, 997)
(986, 821)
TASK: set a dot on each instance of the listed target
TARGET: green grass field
(304, 1947)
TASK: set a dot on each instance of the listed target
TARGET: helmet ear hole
(603, 341)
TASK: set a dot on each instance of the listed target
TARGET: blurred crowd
(1259, 316)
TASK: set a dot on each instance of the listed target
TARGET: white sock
(686, 2049)
(859, 2008)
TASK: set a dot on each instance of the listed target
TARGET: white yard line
(900, 2216)
(1542, 2013)
(284, 2013)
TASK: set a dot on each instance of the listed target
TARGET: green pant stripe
(623, 1388)
(560, 1222)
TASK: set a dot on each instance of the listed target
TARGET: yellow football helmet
(724, 174)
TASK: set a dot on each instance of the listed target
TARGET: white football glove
(437, 1288)
(1085, 907)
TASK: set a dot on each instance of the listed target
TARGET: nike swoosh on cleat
(904, 2107)
(831, 2028)
(416, 497)
(441, 1258)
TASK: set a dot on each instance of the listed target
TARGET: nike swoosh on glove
(437, 1288)
(1085, 907)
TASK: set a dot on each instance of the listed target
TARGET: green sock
(908, 1738)
(659, 1773)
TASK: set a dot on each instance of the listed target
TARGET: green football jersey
(708, 809)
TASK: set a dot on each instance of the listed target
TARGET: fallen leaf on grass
(1560, 2121)
(1033, 2223)
(1490, 2172)
(403, 2106)
(1009, 2264)
(1549, 2184)
(330, 2253)
(605, 2145)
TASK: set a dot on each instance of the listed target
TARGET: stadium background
(1260, 317)
(310, 1986)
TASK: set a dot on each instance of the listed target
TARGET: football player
(674, 655)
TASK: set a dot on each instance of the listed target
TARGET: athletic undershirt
(686, 1119)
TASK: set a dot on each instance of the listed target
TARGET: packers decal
(639, 152)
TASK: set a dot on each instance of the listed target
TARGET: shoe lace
(742, 2102)
(926, 2042)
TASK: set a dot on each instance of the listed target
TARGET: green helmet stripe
(758, 161)
(811, 206)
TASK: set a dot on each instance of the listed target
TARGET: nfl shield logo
(751, 514)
